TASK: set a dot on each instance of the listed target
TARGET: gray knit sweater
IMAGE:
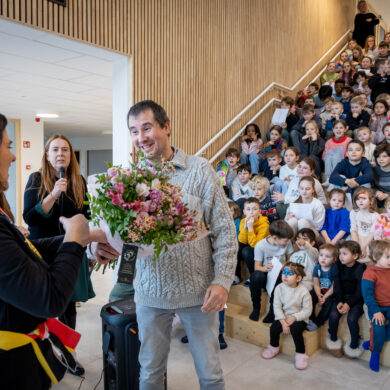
(180, 277)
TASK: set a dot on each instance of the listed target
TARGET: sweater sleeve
(33, 214)
(307, 306)
(218, 217)
(235, 188)
(368, 291)
(345, 223)
(32, 286)
(335, 177)
(357, 296)
(367, 175)
(244, 147)
(278, 307)
(243, 235)
(337, 290)
(319, 216)
(262, 232)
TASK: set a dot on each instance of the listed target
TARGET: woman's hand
(76, 229)
(59, 187)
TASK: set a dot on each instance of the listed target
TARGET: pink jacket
(254, 147)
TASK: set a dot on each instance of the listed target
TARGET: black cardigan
(39, 225)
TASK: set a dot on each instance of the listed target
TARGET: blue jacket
(362, 173)
(336, 220)
(299, 124)
(329, 123)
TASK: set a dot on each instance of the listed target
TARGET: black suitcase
(120, 345)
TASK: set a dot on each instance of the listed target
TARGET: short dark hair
(252, 199)
(288, 100)
(324, 92)
(307, 108)
(308, 233)
(244, 167)
(315, 85)
(352, 246)
(257, 129)
(281, 229)
(383, 44)
(293, 149)
(347, 88)
(382, 101)
(274, 153)
(232, 152)
(360, 73)
(160, 116)
(340, 81)
(356, 141)
(277, 128)
(380, 149)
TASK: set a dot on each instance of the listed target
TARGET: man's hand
(215, 299)
(103, 252)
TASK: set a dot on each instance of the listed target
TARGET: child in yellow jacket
(253, 228)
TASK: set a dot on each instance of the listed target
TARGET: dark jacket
(363, 28)
(309, 148)
(31, 290)
(361, 172)
(379, 84)
(47, 225)
(299, 125)
(361, 120)
(347, 285)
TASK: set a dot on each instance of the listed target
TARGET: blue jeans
(155, 326)
(253, 159)
(280, 185)
(381, 333)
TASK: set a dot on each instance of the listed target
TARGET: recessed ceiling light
(47, 115)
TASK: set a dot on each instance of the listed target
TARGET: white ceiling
(43, 72)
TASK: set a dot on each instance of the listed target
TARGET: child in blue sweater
(337, 223)
(354, 170)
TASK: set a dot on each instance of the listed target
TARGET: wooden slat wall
(203, 60)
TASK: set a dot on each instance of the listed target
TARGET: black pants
(69, 316)
(353, 323)
(323, 315)
(296, 330)
(247, 254)
(258, 282)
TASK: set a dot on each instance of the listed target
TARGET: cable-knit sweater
(180, 277)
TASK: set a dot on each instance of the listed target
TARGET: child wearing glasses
(292, 308)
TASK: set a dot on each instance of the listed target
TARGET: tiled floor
(242, 364)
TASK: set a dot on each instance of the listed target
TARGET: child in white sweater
(292, 307)
(307, 211)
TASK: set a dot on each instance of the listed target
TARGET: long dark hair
(257, 129)
(3, 201)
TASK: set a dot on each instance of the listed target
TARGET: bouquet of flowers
(141, 207)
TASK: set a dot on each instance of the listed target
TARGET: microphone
(61, 172)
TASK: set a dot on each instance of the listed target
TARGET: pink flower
(119, 188)
(112, 171)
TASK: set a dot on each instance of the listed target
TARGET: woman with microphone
(56, 190)
(37, 280)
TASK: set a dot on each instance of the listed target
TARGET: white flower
(142, 189)
(156, 184)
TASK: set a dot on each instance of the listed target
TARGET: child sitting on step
(277, 244)
(348, 300)
(324, 275)
(376, 294)
(292, 307)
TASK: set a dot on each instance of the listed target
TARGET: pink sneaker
(301, 361)
(270, 352)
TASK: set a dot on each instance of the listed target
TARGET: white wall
(383, 8)
(94, 142)
(32, 131)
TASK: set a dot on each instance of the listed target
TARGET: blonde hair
(377, 248)
(314, 123)
(370, 193)
(48, 174)
(260, 181)
(338, 103)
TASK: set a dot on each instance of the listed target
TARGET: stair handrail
(270, 86)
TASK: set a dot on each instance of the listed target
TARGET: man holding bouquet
(191, 279)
